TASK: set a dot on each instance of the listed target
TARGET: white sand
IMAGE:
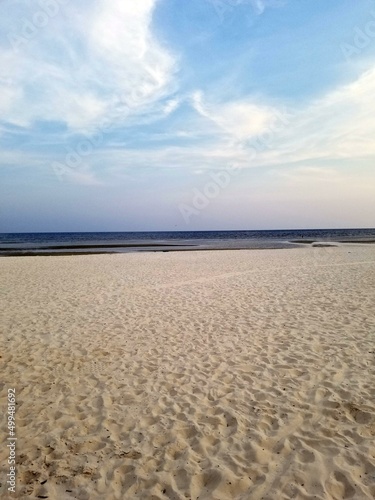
(210, 375)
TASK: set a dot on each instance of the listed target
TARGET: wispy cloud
(84, 175)
(104, 64)
(242, 120)
(335, 127)
(338, 125)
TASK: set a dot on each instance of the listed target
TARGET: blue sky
(183, 115)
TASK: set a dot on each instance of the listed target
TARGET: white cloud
(241, 119)
(120, 34)
(8, 95)
(170, 106)
(337, 126)
(82, 175)
(333, 130)
(88, 63)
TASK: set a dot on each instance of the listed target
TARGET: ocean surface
(110, 242)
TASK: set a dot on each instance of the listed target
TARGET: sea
(18, 244)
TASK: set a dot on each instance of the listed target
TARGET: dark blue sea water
(41, 243)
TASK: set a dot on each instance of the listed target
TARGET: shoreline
(66, 250)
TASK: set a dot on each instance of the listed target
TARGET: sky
(127, 115)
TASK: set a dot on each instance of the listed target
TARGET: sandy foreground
(212, 375)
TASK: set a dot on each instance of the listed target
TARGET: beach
(221, 375)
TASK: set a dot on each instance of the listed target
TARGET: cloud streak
(339, 126)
